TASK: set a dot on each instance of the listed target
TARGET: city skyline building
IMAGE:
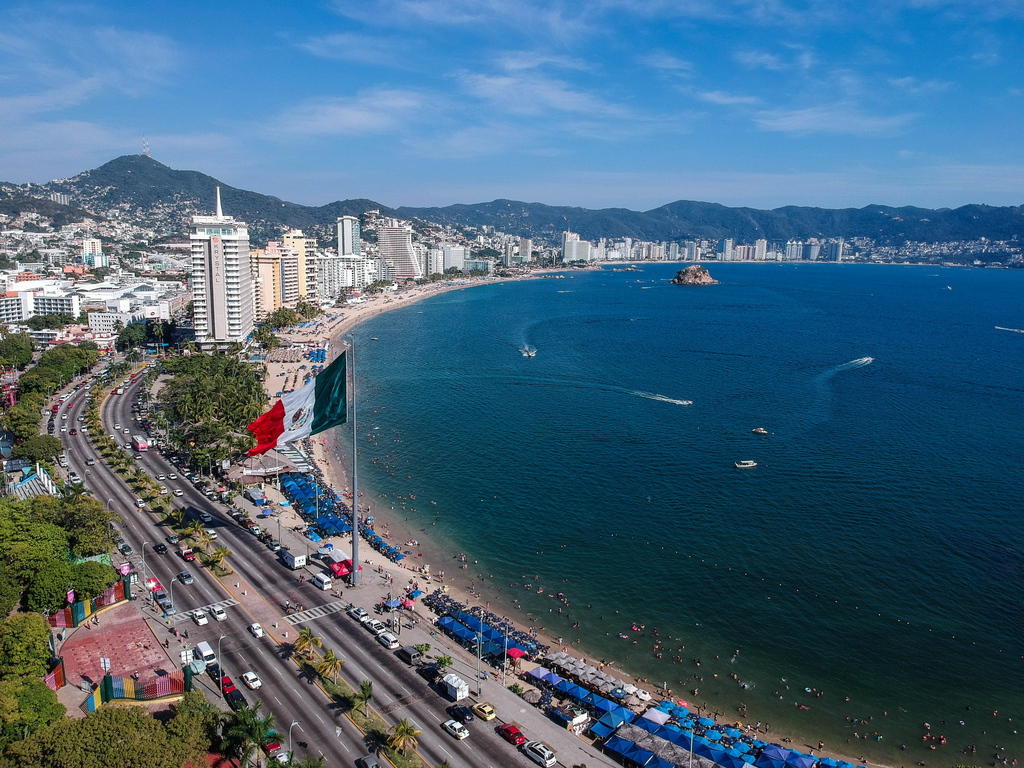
(222, 292)
(394, 239)
(349, 234)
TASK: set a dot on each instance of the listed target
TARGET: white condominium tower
(395, 242)
(348, 236)
(221, 280)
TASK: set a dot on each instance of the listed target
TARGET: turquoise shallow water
(876, 553)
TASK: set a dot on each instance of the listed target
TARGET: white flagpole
(355, 468)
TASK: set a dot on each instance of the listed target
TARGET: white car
(117, 426)
(161, 477)
(219, 613)
(540, 753)
(140, 503)
(359, 614)
(211, 533)
(199, 617)
(375, 626)
(252, 680)
(256, 629)
(388, 640)
(172, 476)
(457, 729)
(178, 492)
(163, 490)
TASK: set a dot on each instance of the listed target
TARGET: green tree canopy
(26, 705)
(91, 578)
(24, 649)
(111, 737)
(42, 322)
(38, 448)
(15, 350)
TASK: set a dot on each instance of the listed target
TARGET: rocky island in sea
(694, 274)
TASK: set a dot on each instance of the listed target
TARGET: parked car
(388, 640)
(375, 626)
(512, 734)
(456, 729)
(484, 711)
(461, 713)
(359, 614)
(540, 753)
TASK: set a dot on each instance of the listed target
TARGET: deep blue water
(876, 552)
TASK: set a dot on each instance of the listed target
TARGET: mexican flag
(319, 404)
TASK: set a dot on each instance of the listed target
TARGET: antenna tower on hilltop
(146, 149)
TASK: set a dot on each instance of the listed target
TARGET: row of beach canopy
(468, 628)
(328, 514)
(595, 679)
(722, 746)
(610, 713)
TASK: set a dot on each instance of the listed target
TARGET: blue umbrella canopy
(733, 733)
(393, 603)
(798, 760)
(829, 762)
(707, 721)
(712, 735)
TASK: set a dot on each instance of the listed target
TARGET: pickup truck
(186, 552)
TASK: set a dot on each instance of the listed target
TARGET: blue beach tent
(601, 730)
(706, 721)
(639, 755)
(799, 760)
(618, 745)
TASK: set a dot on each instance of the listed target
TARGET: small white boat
(528, 351)
(759, 431)
(746, 464)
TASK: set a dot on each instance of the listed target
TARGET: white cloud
(917, 86)
(727, 99)
(668, 63)
(346, 46)
(376, 111)
(517, 61)
(531, 93)
(760, 60)
(841, 118)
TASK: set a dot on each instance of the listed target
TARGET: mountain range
(153, 193)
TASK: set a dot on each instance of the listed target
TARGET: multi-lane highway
(398, 691)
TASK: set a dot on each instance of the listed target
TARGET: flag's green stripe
(331, 406)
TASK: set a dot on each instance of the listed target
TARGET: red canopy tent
(515, 653)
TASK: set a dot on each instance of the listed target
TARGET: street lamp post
(294, 723)
(144, 571)
(479, 642)
(220, 683)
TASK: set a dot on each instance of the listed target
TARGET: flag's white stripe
(303, 398)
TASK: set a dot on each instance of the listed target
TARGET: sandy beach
(429, 562)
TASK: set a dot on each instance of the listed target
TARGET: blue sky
(629, 103)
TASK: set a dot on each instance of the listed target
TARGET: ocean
(865, 578)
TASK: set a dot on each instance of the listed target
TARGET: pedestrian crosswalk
(315, 613)
(187, 615)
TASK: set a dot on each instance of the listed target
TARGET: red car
(512, 734)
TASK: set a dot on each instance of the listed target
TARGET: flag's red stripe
(267, 428)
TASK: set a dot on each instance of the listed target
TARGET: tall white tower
(221, 280)
(395, 242)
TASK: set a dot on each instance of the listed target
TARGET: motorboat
(528, 351)
(746, 464)
(759, 431)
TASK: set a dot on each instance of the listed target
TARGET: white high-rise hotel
(395, 241)
(221, 280)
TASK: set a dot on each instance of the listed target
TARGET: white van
(322, 580)
(205, 652)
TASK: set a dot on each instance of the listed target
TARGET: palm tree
(404, 736)
(218, 556)
(330, 665)
(307, 762)
(307, 641)
(245, 730)
(177, 516)
(363, 696)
